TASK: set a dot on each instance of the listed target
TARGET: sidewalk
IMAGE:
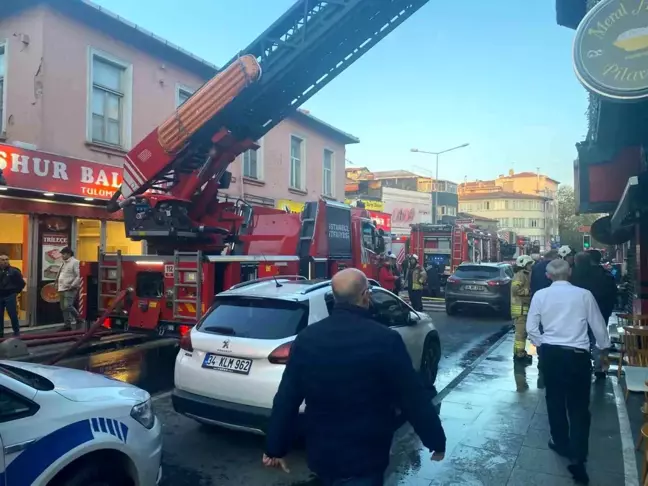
(497, 429)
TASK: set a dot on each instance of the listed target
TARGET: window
(518, 222)
(487, 205)
(503, 222)
(534, 223)
(110, 101)
(250, 165)
(296, 162)
(3, 70)
(182, 94)
(256, 318)
(388, 309)
(13, 407)
(477, 272)
(327, 175)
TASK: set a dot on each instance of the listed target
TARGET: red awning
(10, 204)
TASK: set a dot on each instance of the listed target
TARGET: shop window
(88, 239)
(116, 240)
(13, 243)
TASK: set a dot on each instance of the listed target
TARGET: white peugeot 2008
(229, 367)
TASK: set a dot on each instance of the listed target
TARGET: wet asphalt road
(197, 455)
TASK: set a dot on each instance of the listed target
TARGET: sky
(497, 75)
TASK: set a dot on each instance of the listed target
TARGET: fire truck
(449, 245)
(199, 243)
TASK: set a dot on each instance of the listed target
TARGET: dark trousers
(416, 299)
(374, 480)
(10, 304)
(567, 378)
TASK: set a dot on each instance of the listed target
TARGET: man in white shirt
(566, 313)
(68, 282)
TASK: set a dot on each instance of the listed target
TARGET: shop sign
(44, 172)
(611, 49)
(290, 206)
(52, 244)
(382, 220)
(369, 204)
(464, 221)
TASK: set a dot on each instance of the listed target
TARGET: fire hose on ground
(93, 328)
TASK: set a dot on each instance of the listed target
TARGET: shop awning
(633, 202)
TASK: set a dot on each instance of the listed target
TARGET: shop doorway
(14, 240)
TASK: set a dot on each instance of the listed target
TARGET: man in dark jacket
(11, 284)
(433, 280)
(539, 279)
(353, 373)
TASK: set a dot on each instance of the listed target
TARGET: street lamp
(436, 177)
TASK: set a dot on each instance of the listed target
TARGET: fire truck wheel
(430, 359)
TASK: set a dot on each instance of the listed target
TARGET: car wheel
(451, 310)
(93, 473)
(430, 360)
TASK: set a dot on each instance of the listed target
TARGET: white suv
(229, 366)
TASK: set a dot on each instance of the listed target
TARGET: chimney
(511, 172)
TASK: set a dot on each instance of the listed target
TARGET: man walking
(11, 284)
(566, 313)
(68, 282)
(539, 279)
(353, 373)
(520, 290)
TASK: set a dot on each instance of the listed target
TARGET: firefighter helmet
(523, 260)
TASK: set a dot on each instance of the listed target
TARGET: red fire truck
(199, 243)
(450, 245)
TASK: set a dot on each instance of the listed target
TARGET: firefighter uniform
(520, 300)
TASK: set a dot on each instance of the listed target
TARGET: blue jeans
(10, 304)
(374, 480)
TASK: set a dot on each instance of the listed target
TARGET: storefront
(406, 208)
(50, 202)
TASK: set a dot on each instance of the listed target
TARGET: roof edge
(344, 137)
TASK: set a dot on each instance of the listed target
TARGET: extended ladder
(182, 257)
(457, 247)
(109, 275)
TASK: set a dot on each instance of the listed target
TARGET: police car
(64, 427)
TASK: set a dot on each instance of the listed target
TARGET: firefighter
(520, 300)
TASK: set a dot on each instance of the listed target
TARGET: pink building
(79, 87)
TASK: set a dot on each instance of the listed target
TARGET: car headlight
(143, 413)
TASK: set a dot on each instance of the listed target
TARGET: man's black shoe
(561, 451)
(579, 473)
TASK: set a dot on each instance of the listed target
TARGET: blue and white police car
(65, 427)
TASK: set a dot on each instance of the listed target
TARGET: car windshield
(477, 272)
(256, 318)
(37, 382)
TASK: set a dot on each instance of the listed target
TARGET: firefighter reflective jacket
(520, 294)
(419, 278)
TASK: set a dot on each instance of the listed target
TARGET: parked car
(60, 426)
(229, 366)
(480, 285)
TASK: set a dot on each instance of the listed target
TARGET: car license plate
(230, 364)
(473, 287)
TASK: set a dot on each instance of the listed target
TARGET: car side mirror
(413, 318)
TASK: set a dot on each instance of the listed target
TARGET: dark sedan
(480, 285)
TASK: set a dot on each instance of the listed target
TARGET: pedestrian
(539, 279)
(68, 283)
(566, 313)
(353, 373)
(433, 280)
(520, 299)
(419, 280)
(588, 274)
(567, 253)
(11, 284)
(409, 265)
(393, 265)
(385, 276)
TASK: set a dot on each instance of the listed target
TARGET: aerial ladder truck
(199, 243)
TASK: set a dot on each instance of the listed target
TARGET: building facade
(79, 87)
(524, 214)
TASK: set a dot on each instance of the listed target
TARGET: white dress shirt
(565, 312)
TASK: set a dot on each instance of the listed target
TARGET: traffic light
(587, 241)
